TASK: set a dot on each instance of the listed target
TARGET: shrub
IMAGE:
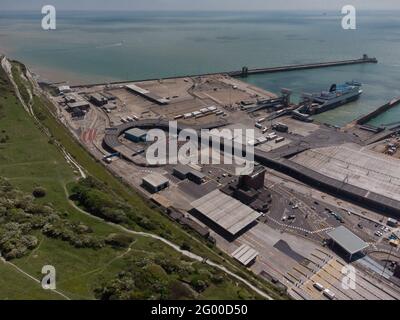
(186, 246)
(119, 240)
(39, 192)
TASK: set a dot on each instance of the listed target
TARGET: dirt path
(31, 277)
(177, 248)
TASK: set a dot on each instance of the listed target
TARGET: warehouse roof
(245, 255)
(347, 240)
(155, 180)
(78, 104)
(146, 93)
(185, 170)
(137, 89)
(197, 174)
(136, 132)
(98, 96)
(227, 212)
(64, 88)
(182, 169)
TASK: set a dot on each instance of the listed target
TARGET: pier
(246, 72)
(368, 117)
(370, 134)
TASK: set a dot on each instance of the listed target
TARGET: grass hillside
(40, 177)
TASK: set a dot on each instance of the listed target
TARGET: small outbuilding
(155, 182)
(185, 172)
(98, 100)
(78, 106)
(64, 89)
(136, 135)
(245, 255)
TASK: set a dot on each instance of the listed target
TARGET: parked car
(378, 233)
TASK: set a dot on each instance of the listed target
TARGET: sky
(199, 5)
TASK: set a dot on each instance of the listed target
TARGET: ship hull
(329, 106)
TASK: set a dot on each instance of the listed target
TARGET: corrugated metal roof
(347, 240)
(137, 89)
(244, 254)
(227, 212)
(155, 179)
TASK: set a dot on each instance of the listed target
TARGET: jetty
(246, 71)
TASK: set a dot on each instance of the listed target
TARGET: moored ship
(337, 95)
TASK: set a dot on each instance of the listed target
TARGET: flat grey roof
(146, 93)
(225, 211)
(78, 104)
(155, 180)
(185, 169)
(244, 254)
(136, 132)
(198, 174)
(98, 96)
(347, 240)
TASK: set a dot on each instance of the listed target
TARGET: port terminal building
(136, 135)
(347, 242)
(224, 214)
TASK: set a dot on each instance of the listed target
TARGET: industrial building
(185, 172)
(181, 171)
(155, 182)
(224, 214)
(146, 94)
(136, 135)
(245, 255)
(348, 242)
(79, 106)
(108, 96)
(280, 127)
(64, 89)
(98, 100)
(71, 98)
(249, 189)
(255, 180)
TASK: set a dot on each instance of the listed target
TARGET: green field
(14, 285)
(29, 159)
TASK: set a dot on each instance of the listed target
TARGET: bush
(199, 285)
(186, 246)
(39, 192)
(119, 240)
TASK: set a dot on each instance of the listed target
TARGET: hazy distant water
(99, 47)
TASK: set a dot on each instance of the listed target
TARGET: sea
(93, 47)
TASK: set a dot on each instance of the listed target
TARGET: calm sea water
(99, 47)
